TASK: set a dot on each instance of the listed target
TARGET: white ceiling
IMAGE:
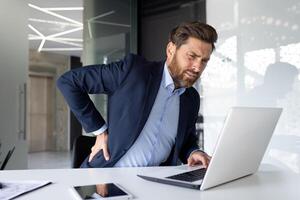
(56, 26)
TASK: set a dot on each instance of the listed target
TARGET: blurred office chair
(81, 149)
(200, 131)
(6, 159)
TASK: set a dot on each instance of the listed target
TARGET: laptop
(239, 150)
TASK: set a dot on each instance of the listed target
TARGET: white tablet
(109, 191)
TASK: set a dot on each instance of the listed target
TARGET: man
(152, 106)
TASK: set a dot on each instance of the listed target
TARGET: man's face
(187, 63)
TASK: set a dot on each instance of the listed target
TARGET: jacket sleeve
(75, 85)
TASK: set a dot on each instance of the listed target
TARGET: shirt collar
(168, 82)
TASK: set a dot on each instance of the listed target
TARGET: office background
(252, 35)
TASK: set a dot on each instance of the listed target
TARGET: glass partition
(109, 34)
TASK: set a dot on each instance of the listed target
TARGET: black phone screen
(99, 191)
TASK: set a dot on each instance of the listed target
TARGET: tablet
(107, 191)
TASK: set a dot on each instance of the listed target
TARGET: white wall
(253, 35)
(13, 71)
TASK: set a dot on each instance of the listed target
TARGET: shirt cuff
(101, 130)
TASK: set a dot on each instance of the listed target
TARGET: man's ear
(171, 47)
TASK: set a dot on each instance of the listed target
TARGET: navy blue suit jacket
(131, 86)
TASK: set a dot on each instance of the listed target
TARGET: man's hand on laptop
(197, 158)
(101, 143)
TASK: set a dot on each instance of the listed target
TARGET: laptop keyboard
(190, 176)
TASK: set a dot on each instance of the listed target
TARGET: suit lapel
(152, 88)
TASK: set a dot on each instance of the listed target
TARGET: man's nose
(196, 67)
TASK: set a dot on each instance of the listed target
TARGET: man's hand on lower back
(100, 144)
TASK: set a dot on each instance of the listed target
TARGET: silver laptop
(240, 148)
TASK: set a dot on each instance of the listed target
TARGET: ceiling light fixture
(78, 26)
(41, 45)
(102, 15)
(53, 22)
(36, 37)
(64, 42)
(40, 34)
(36, 31)
(62, 49)
(97, 17)
(70, 39)
(111, 23)
(65, 32)
(53, 37)
(64, 8)
(54, 14)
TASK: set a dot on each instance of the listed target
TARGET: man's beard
(178, 75)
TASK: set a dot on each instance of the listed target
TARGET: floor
(49, 160)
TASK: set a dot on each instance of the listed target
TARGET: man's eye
(191, 56)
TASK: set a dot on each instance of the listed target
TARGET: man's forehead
(198, 47)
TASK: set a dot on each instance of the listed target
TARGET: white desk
(267, 183)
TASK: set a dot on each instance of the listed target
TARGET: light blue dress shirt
(157, 138)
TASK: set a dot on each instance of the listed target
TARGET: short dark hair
(195, 29)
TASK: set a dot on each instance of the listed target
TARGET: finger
(208, 158)
(90, 158)
(105, 151)
(92, 154)
(94, 150)
(193, 163)
(194, 160)
(208, 161)
(204, 161)
(189, 161)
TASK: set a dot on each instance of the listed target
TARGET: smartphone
(107, 191)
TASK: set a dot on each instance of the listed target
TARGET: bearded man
(152, 106)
